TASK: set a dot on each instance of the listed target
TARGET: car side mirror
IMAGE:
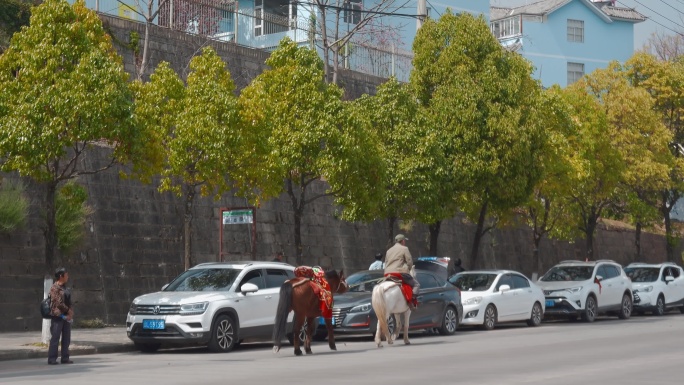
(504, 288)
(599, 278)
(249, 288)
(164, 287)
(669, 278)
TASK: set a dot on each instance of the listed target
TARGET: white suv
(214, 304)
(657, 287)
(587, 289)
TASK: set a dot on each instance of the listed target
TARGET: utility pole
(421, 11)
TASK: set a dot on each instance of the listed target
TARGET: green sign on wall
(237, 217)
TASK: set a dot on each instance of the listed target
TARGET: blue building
(565, 39)
(381, 47)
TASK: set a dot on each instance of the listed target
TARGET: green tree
(309, 134)
(63, 90)
(485, 100)
(664, 81)
(411, 153)
(546, 211)
(597, 163)
(13, 206)
(71, 213)
(198, 126)
(13, 15)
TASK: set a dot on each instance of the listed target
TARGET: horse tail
(284, 306)
(380, 308)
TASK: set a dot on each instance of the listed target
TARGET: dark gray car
(439, 306)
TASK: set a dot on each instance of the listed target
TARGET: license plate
(321, 321)
(154, 324)
(550, 303)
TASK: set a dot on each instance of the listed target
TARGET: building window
(258, 17)
(507, 27)
(352, 11)
(576, 30)
(575, 72)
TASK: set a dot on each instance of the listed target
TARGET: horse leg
(406, 316)
(378, 334)
(310, 327)
(331, 335)
(298, 322)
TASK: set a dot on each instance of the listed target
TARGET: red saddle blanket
(320, 286)
(406, 289)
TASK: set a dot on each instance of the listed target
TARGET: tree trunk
(478, 236)
(50, 226)
(637, 242)
(187, 225)
(589, 231)
(535, 254)
(434, 235)
(298, 210)
(390, 230)
(668, 201)
(324, 37)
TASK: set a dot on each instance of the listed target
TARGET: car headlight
(472, 301)
(361, 308)
(575, 289)
(194, 308)
(133, 309)
(646, 289)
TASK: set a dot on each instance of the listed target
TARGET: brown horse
(299, 295)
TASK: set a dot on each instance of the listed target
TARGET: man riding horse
(398, 263)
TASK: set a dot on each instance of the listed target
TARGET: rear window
(204, 280)
(361, 282)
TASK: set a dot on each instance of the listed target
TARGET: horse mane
(331, 274)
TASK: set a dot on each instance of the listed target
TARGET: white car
(587, 289)
(213, 304)
(493, 296)
(657, 287)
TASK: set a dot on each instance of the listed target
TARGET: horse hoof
(276, 349)
(407, 343)
(298, 352)
(333, 348)
(309, 351)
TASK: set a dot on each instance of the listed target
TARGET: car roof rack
(605, 260)
(571, 261)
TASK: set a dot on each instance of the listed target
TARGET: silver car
(212, 304)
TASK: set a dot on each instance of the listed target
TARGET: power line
(671, 6)
(653, 20)
(671, 21)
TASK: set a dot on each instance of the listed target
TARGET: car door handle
(268, 297)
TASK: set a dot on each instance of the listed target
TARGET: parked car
(657, 287)
(439, 306)
(438, 265)
(490, 297)
(587, 289)
(213, 304)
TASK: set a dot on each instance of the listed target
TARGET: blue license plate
(154, 324)
(321, 321)
(550, 303)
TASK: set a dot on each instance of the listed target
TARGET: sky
(664, 16)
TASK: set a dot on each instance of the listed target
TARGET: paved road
(643, 350)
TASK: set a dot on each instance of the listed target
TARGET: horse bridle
(340, 283)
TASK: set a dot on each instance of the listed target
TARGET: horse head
(337, 281)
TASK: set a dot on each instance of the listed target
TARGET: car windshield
(642, 274)
(204, 280)
(365, 281)
(568, 273)
(473, 281)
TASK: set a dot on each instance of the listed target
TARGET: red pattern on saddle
(406, 289)
(320, 286)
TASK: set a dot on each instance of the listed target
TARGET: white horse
(387, 300)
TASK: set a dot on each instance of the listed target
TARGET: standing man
(62, 316)
(378, 264)
(398, 260)
(278, 257)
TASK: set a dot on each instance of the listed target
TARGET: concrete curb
(23, 354)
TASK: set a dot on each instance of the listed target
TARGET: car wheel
(626, 307)
(392, 325)
(223, 335)
(536, 315)
(590, 309)
(489, 317)
(449, 322)
(147, 348)
(660, 306)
